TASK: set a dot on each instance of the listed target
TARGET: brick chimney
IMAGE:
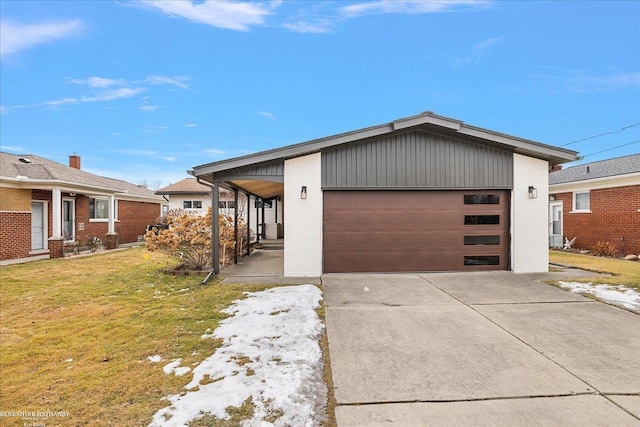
(74, 161)
(555, 168)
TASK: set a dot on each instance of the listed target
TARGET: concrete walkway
(492, 348)
(264, 265)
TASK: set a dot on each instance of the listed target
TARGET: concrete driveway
(490, 348)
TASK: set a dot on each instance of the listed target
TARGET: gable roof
(31, 171)
(185, 186)
(602, 169)
(426, 121)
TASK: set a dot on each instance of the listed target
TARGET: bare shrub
(604, 249)
(187, 237)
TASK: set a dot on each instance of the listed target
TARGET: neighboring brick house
(195, 198)
(45, 205)
(597, 202)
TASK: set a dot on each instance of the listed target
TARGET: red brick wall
(15, 235)
(15, 227)
(134, 218)
(614, 215)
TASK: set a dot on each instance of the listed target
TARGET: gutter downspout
(215, 230)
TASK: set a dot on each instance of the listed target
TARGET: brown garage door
(385, 231)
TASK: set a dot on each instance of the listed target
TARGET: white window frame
(106, 198)
(575, 202)
(191, 202)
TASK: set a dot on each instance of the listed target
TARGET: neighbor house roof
(185, 186)
(602, 169)
(425, 121)
(188, 186)
(31, 171)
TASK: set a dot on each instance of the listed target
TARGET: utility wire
(602, 134)
(612, 148)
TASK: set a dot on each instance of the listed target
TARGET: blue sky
(143, 91)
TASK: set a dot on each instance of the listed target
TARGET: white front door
(37, 226)
(555, 224)
(69, 219)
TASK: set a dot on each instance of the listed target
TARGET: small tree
(187, 237)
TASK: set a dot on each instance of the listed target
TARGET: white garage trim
(303, 217)
(529, 217)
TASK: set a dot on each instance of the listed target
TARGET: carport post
(215, 227)
(264, 234)
(248, 224)
(257, 221)
(235, 226)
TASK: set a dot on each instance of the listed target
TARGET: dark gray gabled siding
(417, 160)
(272, 171)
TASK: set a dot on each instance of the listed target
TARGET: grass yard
(623, 272)
(75, 334)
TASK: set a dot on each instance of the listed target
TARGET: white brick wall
(303, 217)
(529, 217)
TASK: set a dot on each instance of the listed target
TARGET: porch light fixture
(303, 192)
(533, 192)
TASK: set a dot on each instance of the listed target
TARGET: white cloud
(180, 81)
(215, 151)
(148, 108)
(412, 7)
(15, 37)
(191, 125)
(110, 95)
(169, 158)
(577, 81)
(268, 115)
(240, 16)
(97, 82)
(319, 27)
(108, 89)
(14, 148)
(477, 52)
(154, 129)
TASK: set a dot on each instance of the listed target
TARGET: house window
(268, 204)
(99, 208)
(582, 201)
(192, 204)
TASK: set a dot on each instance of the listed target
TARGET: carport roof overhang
(262, 173)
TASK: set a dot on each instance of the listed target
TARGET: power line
(612, 148)
(602, 134)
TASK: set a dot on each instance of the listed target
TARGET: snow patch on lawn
(175, 368)
(616, 295)
(270, 354)
(155, 358)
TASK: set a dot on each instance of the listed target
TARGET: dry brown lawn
(75, 334)
(622, 272)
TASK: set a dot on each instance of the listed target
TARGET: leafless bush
(605, 249)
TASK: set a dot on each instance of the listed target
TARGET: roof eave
(522, 146)
(55, 183)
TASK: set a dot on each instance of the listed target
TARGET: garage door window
(481, 260)
(481, 199)
(481, 240)
(481, 219)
